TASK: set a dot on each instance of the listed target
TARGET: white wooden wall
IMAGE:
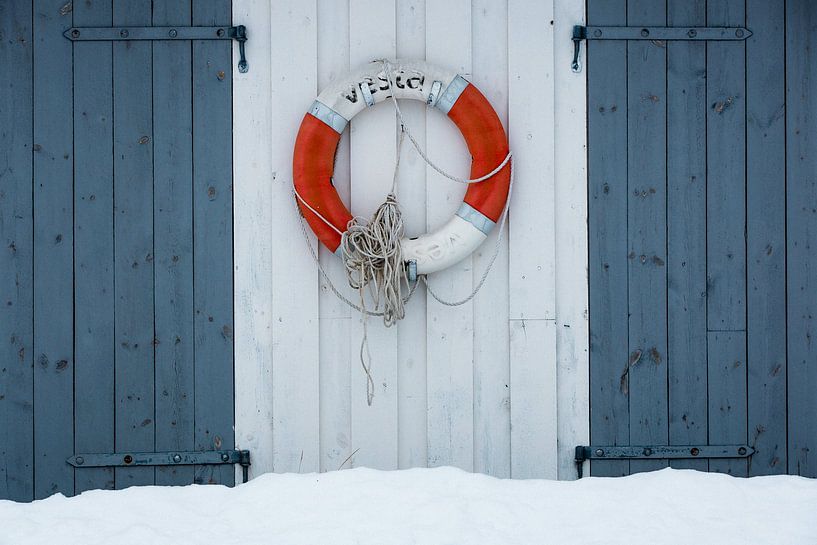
(498, 385)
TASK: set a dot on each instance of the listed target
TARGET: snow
(430, 506)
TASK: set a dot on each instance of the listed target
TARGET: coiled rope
(372, 254)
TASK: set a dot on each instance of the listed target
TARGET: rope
(373, 256)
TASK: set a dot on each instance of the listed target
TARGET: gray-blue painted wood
(109, 349)
(213, 243)
(607, 179)
(686, 239)
(726, 173)
(646, 232)
(726, 231)
(93, 247)
(740, 215)
(766, 235)
(801, 221)
(16, 255)
(173, 224)
(133, 242)
(53, 251)
(727, 396)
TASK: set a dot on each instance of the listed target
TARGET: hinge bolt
(80, 460)
(177, 458)
(645, 32)
(694, 451)
(739, 34)
(742, 451)
(692, 33)
(599, 452)
(597, 33)
(225, 457)
(128, 459)
(647, 452)
(173, 33)
(220, 32)
(75, 33)
(124, 33)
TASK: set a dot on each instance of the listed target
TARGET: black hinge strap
(172, 458)
(661, 33)
(659, 452)
(172, 33)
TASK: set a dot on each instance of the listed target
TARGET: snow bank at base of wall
(430, 506)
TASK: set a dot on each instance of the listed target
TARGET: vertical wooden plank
(607, 186)
(726, 228)
(93, 247)
(16, 255)
(133, 242)
(646, 232)
(213, 240)
(411, 192)
(727, 397)
(801, 221)
(533, 415)
(252, 179)
(766, 235)
(531, 241)
(531, 134)
(570, 174)
(726, 173)
(686, 233)
(492, 417)
(450, 343)
(373, 152)
(337, 364)
(173, 240)
(53, 251)
(296, 434)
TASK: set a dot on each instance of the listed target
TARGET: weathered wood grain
(686, 233)
(94, 304)
(213, 240)
(610, 360)
(133, 243)
(53, 251)
(766, 235)
(173, 213)
(801, 225)
(16, 255)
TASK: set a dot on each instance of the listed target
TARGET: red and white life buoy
(322, 126)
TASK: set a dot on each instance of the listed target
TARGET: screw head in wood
(173, 33)
(124, 33)
(692, 33)
(645, 32)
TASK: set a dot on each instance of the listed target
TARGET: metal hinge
(660, 452)
(172, 458)
(659, 33)
(172, 33)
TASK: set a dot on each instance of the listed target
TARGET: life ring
(321, 129)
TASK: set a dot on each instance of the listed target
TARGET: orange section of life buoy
(313, 164)
(488, 144)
